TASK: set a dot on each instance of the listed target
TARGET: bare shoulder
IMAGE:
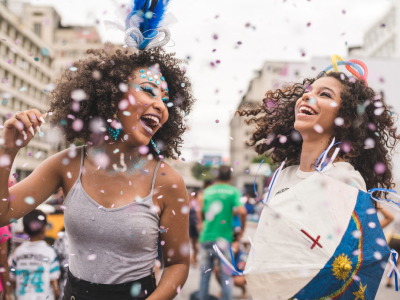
(169, 177)
(170, 185)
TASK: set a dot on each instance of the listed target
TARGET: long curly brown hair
(100, 75)
(365, 116)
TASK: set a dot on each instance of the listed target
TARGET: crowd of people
(218, 214)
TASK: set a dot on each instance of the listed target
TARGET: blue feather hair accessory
(143, 24)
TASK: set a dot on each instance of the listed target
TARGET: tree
(198, 170)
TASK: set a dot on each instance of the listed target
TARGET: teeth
(148, 129)
(304, 108)
(155, 119)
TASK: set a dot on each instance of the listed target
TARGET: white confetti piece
(69, 175)
(378, 255)
(318, 128)
(92, 257)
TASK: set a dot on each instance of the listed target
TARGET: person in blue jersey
(34, 266)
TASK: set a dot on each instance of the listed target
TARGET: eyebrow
(323, 88)
(156, 86)
(328, 89)
(151, 83)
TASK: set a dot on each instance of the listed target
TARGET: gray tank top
(110, 246)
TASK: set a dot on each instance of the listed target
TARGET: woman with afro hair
(127, 108)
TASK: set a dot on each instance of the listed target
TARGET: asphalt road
(193, 283)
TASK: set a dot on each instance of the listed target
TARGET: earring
(155, 147)
(114, 132)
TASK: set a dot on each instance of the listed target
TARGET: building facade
(25, 72)
(382, 39)
(34, 49)
(272, 75)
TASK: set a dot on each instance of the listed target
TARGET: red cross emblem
(315, 241)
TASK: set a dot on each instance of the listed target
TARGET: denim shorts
(77, 289)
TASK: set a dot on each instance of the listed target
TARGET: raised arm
(14, 201)
(175, 240)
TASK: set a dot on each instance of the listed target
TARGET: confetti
(77, 125)
(339, 121)
(45, 52)
(380, 168)
(78, 95)
(318, 128)
(92, 257)
(369, 143)
(143, 150)
(29, 200)
(135, 289)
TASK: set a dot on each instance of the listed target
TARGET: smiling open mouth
(307, 111)
(149, 123)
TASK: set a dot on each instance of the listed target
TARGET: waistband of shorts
(148, 281)
(396, 236)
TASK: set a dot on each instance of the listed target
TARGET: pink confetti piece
(77, 125)
(380, 168)
(143, 150)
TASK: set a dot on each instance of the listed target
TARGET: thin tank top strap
(82, 159)
(155, 175)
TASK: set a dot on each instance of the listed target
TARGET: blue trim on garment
(371, 270)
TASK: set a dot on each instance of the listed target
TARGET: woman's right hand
(18, 132)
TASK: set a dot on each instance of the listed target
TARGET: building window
(37, 28)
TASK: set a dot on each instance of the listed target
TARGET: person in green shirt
(221, 204)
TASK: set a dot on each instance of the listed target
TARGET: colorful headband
(352, 65)
(145, 20)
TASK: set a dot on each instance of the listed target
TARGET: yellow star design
(360, 293)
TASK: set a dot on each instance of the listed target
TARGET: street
(193, 282)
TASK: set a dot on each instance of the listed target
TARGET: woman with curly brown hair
(126, 105)
(318, 235)
(299, 122)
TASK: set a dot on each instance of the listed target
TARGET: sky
(242, 36)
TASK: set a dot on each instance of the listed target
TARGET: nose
(306, 96)
(159, 105)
